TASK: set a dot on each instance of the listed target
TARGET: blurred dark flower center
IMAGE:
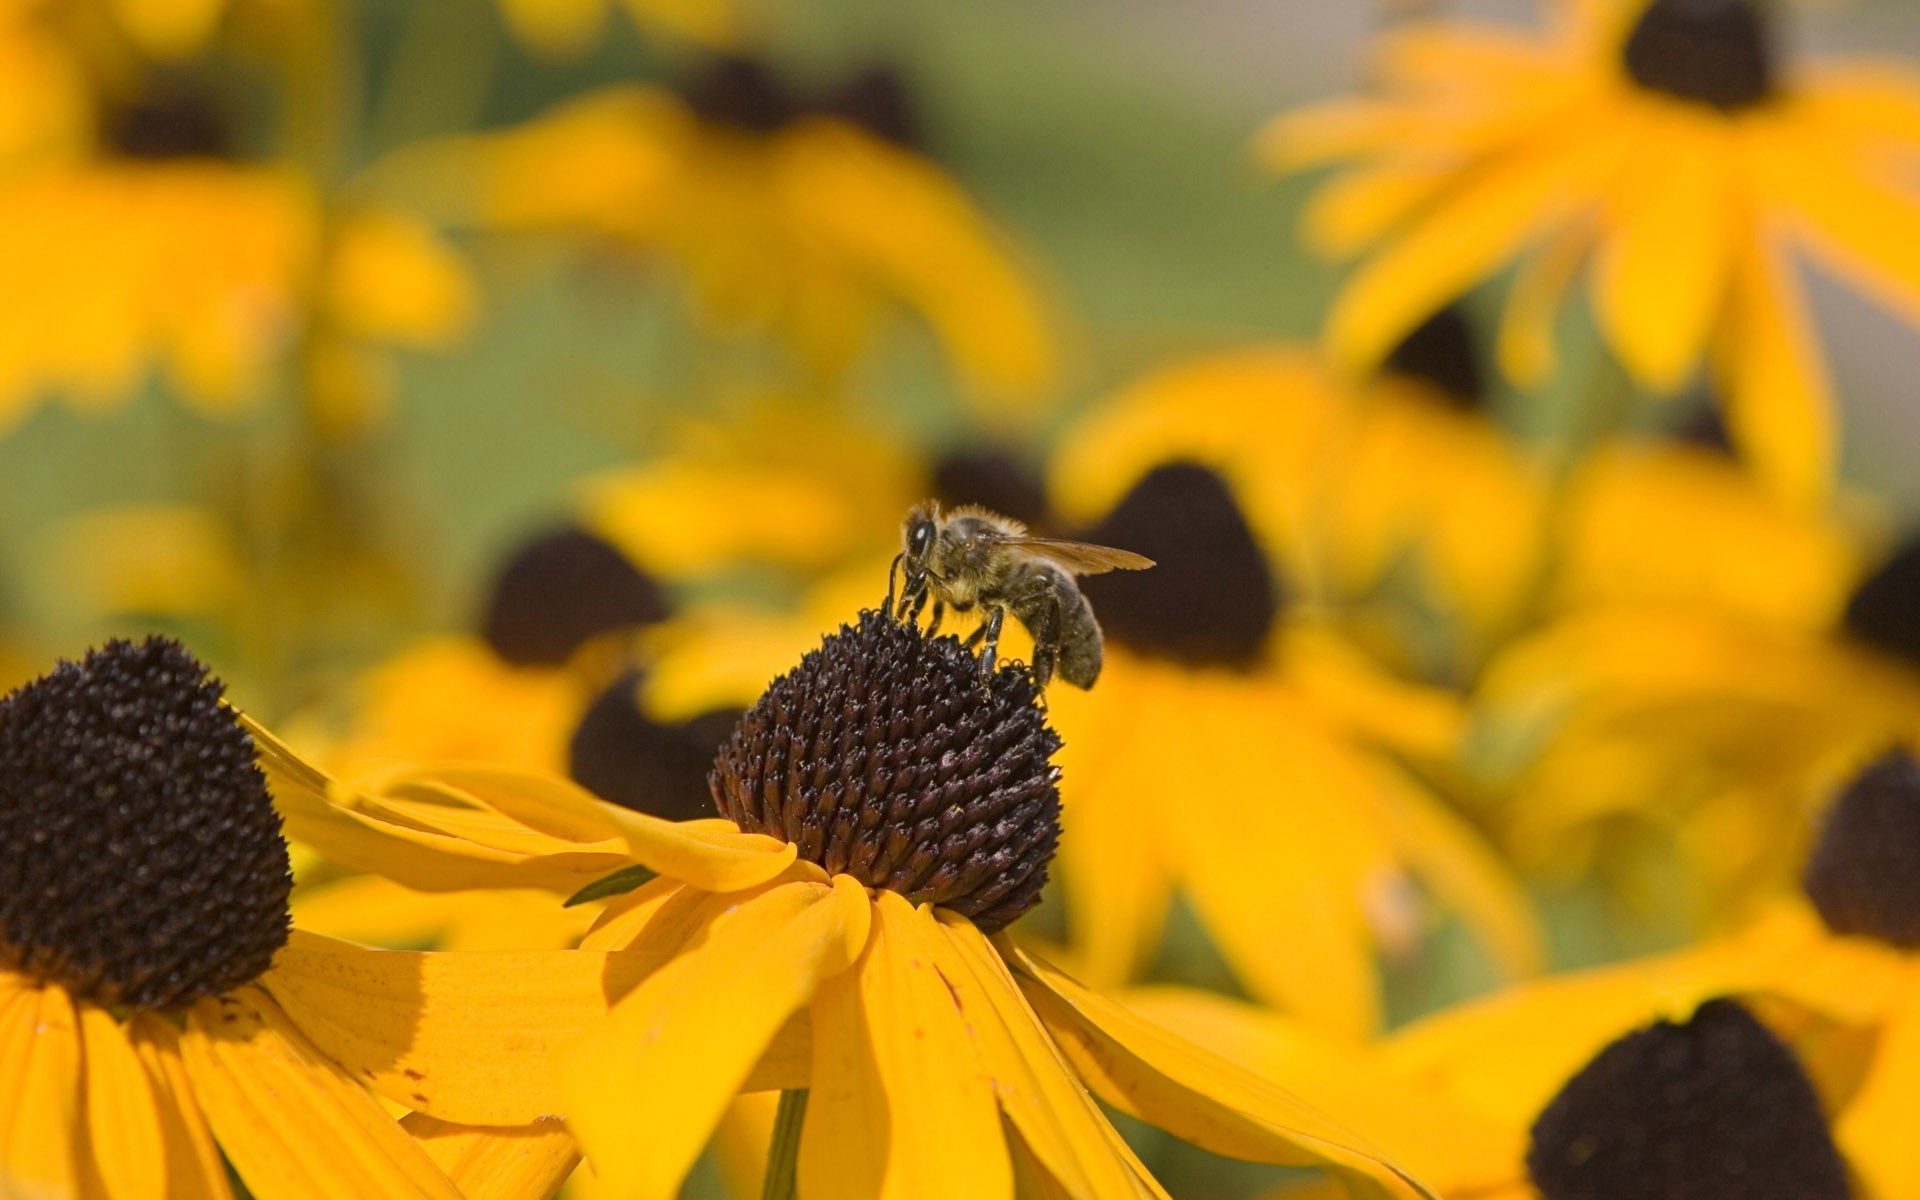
(744, 92)
(994, 480)
(1716, 52)
(141, 852)
(1442, 352)
(561, 590)
(624, 757)
(169, 120)
(1212, 600)
(1885, 609)
(1864, 873)
(885, 756)
(1712, 1109)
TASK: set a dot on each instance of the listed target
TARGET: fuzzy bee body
(974, 558)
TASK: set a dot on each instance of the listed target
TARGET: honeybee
(971, 557)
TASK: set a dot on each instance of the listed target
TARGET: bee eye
(920, 538)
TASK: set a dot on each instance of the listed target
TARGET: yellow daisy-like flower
(1307, 844)
(1635, 739)
(1513, 1098)
(890, 812)
(157, 1011)
(796, 219)
(1349, 488)
(1660, 145)
(1834, 971)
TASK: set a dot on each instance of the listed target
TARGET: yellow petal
(712, 855)
(1779, 403)
(1327, 132)
(1874, 1131)
(1465, 237)
(557, 28)
(194, 1167)
(123, 1120)
(391, 277)
(1039, 1093)
(1661, 268)
(1526, 350)
(527, 1162)
(466, 1035)
(292, 1124)
(1853, 218)
(170, 28)
(899, 1105)
(40, 1104)
(1352, 212)
(1445, 1145)
(1143, 1070)
(646, 1087)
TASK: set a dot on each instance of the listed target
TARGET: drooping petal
(527, 1162)
(1352, 212)
(194, 1168)
(1327, 132)
(1056, 1119)
(40, 1107)
(1662, 263)
(1779, 403)
(1444, 1145)
(647, 1086)
(126, 1155)
(1465, 237)
(1526, 349)
(1863, 225)
(467, 1036)
(1875, 1131)
(292, 1123)
(1143, 1070)
(900, 1106)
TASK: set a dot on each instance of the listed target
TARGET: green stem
(783, 1153)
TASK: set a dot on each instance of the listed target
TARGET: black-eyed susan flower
(783, 216)
(888, 812)
(1832, 971)
(155, 1001)
(1258, 764)
(1661, 147)
(1393, 496)
(160, 240)
(1703, 1097)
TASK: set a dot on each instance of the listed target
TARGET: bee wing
(1082, 558)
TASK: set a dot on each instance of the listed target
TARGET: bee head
(920, 534)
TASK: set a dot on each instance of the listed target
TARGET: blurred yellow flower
(1258, 764)
(176, 560)
(1661, 145)
(1345, 487)
(781, 219)
(1636, 739)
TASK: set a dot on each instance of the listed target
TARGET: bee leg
(978, 635)
(893, 568)
(990, 652)
(919, 604)
(1046, 640)
(939, 614)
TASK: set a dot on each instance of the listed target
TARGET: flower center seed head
(1884, 611)
(140, 852)
(1864, 873)
(1714, 52)
(170, 119)
(625, 758)
(560, 591)
(1714, 1109)
(1213, 599)
(1441, 352)
(885, 756)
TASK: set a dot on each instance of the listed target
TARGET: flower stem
(783, 1152)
